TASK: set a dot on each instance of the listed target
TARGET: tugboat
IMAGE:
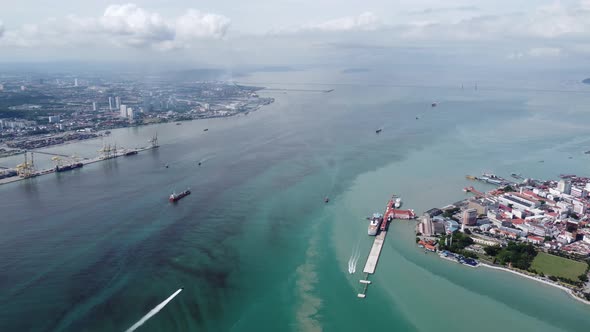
(176, 197)
(326, 199)
(378, 131)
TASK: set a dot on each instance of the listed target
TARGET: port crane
(27, 169)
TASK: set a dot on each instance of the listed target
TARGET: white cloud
(545, 52)
(366, 21)
(123, 25)
(195, 24)
(135, 26)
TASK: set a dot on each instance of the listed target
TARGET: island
(538, 229)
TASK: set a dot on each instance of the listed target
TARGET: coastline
(567, 290)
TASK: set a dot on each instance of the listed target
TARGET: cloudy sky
(296, 31)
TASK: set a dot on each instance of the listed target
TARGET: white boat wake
(153, 312)
(354, 258)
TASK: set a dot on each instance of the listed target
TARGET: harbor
(378, 227)
(27, 169)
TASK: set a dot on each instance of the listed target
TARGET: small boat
(166, 165)
(398, 202)
(178, 123)
(206, 129)
(378, 131)
(199, 163)
(417, 118)
(434, 104)
(326, 200)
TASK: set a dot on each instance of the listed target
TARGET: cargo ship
(374, 223)
(130, 152)
(176, 197)
(68, 167)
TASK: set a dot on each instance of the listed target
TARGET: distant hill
(587, 81)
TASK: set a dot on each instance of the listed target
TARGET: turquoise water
(255, 247)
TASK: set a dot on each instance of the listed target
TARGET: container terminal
(65, 163)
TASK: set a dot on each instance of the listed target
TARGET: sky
(297, 32)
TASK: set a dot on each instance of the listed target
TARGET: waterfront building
(469, 217)
(520, 202)
(54, 119)
(564, 186)
(123, 111)
(131, 114)
(478, 206)
(427, 228)
(487, 241)
(110, 103)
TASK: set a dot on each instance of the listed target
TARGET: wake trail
(354, 257)
(153, 312)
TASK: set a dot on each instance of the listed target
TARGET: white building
(54, 119)
(131, 114)
(518, 202)
(75, 82)
(123, 111)
(1, 87)
(94, 106)
(579, 207)
(110, 103)
(578, 192)
(117, 102)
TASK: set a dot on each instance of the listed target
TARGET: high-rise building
(564, 186)
(110, 103)
(75, 82)
(1, 87)
(94, 106)
(23, 88)
(470, 217)
(130, 113)
(123, 111)
(117, 102)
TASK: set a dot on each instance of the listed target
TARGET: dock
(86, 161)
(373, 258)
(375, 253)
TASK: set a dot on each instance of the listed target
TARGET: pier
(373, 258)
(375, 252)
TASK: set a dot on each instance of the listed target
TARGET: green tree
(583, 277)
(492, 250)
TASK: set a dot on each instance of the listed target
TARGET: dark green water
(255, 247)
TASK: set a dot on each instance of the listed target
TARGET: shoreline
(563, 288)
